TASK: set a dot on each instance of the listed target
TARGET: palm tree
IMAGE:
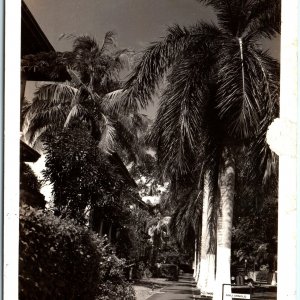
(84, 102)
(94, 73)
(222, 93)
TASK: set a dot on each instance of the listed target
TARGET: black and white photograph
(157, 150)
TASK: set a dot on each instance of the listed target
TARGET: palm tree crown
(222, 87)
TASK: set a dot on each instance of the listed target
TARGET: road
(185, 289)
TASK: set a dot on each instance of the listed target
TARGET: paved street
(185, 289)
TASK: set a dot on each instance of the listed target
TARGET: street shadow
(192, 285)
(184, 292)
(198, 297)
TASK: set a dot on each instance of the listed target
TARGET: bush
(186, 268)
(62, 260)
(122, 291)
(169, 271)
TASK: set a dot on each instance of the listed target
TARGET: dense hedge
(61, 260)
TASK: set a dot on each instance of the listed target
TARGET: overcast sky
(136, 22)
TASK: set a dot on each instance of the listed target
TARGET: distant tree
(82, 177)
(255, 221)
(255, 236)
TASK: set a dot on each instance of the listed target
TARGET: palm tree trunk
(207, 262)
(198, 253)
(195, 258)
(224, 224)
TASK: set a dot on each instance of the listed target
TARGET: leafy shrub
(28, 180)
(169, 271)
(139, 270)
(30, 187)
(262, 275)
(122, 291)
(80, 175)
(62, 260)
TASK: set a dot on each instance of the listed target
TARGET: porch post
(282, 138)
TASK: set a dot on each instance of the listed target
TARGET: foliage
(254, 236)
(169, 271)
(87, 183)
(85, 98)
(186, 214)
(111, 290)
(256, 216)
(222, 92)
(28, 180)
(138, 234)
(83, 139)
(146, 168)
(62, 260)
(162, 244)
(30, 187)
(82, 177)
(89, 187)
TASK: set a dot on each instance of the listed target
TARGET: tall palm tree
(222, 93)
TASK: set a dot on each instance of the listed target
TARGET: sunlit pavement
(185, 289)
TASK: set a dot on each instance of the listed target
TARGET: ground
(148, 287)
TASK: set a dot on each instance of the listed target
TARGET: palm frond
(127, 137)
(177, 131)
(108, 137)
(141, 122)
(75, 77)
(30, 111)
(153, 65)
(228, 13)
(76, 112)
(264, 20)
(111, 100)
(240, 18)
(84, 44)
(187, 213)
(108, 41)
(67, 36)
(241, 95)
(55, 92)
(36, 106)
(265, 160)
(158, 58)
(45, 119)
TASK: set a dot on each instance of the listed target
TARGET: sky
(137, 23)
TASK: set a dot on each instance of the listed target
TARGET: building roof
(27, 153)
(34, 41)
